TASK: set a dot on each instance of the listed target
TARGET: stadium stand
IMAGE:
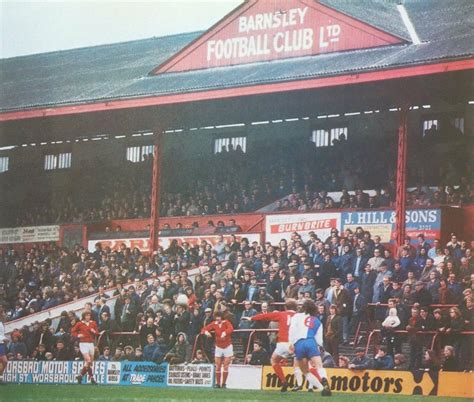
(427, 295)
(287, 178)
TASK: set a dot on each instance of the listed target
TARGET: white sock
(322, 372)
(313, 381)
(298, 377)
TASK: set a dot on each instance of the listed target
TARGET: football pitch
(89, 393)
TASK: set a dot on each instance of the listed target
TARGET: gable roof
(121, 71)
(255, 31)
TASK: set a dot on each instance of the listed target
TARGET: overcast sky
(39, 26)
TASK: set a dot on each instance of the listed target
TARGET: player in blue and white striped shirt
(306, 336)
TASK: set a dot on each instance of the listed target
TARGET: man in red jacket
(282, 350)
(224, 350)
(86, 330)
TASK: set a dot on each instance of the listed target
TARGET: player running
(224, 349)
(282, 350)
(306, 335)
(86, 330)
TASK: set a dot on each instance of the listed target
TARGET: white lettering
(210, 49)
(302, 13)
(322, 42)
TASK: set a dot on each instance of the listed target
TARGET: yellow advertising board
(364, 381)
(456, 384)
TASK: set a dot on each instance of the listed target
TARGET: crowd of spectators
(343, 274)
(237, 182)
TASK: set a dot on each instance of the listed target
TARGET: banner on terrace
(29, 234)
(282, 226)
(144, 243)
(382, 223)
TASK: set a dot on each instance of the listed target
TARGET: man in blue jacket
(382, 360)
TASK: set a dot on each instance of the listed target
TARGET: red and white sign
(262, 30)
(143, 244)
(282, 226)
(213, 239)
(29, 234)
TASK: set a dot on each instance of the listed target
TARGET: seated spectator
(361, 361)
(450, 362)
(16, 346)
(106, 355)
(199, 358)
(61, 351)
(399, 362)
(430, 361)
(382, 360)
(178, 353)
(129, 353)
(328, 361)
(343, 362)
(259, 356)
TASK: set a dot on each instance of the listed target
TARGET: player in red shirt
(282, 350)
(86, 330)
(224, 350)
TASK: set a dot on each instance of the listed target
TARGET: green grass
(89, 393)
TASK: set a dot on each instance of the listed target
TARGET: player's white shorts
(87, 347)
(226, 352)
(282, 349)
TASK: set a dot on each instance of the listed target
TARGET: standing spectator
(333, 332)
(343, 301)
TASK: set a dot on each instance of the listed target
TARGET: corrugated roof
(121, 70)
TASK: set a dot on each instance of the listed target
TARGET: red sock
(315, 373)
(89, 373)
(279, 372)
(83, 370)
(218, 377)
(225, 374)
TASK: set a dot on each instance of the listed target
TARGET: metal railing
(250, 331)
(436, 335)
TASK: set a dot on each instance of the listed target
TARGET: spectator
(178, 353)
(450, 362)
(430, 361)
(106, 355)
(200, 358)
(382, 360)
(361, 361)
(333, 332)
(259, 356)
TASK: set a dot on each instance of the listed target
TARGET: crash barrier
(453, 384)
(247, 334)
(77, 306)
(435, 335)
